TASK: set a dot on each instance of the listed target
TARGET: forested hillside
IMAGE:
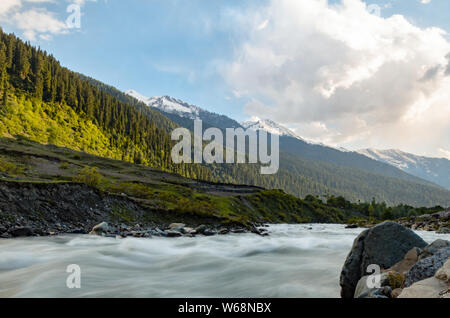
(49, 103)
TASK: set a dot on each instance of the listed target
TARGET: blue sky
(185, 48)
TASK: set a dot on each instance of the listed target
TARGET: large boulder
(444, 273)
(384, 244)
(427, 267)
(427, 288)
(408, 261)
(431, 249)
(433, 287)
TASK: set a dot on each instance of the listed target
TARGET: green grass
(11, 168)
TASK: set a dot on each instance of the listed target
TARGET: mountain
(436, 170)
(183, 113)
(168, 104)
(309, 168)
(271, 127)
(275, 128)
(294, 144)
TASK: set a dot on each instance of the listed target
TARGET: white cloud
(425, 1)
(345, 76)
(8, 5)
(36, 21)
(263, 25)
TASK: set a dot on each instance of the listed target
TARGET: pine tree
(22, 62)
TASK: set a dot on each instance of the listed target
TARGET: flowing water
(294, 261)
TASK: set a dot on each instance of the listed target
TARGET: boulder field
(409, 267)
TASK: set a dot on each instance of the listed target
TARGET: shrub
(89, 176)
(64, 165)
(396, 280)
(10, 168)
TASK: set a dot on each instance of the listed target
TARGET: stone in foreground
(385, 245)
(444, 273)
(428, 288)
(434, 287)
(427, 267)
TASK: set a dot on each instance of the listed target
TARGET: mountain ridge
(289, 141)
(433, 169)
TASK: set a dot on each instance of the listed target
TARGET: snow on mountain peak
(270, 126)
(136, 95)
(433, 169)
(167, 104)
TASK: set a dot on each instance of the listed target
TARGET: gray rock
(200, 229)
(427, 288)
(187, 230)
(444, 273)
(223, 231)
(176, 226)
(173, 234)
(352, 226)
(362, 290)
(209, 233)
(427, 267)
(384, 244)
(434, 247)
(384, 292)
(21, 232)
(443, 230)
(99, 229)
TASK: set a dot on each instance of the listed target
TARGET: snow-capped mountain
(168, 104)
(436, 170)
(271, 127)
(183, 114)
(274, 128)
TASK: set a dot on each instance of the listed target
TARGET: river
(294, 261)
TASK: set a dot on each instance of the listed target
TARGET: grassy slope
(22, 160)
(41, 123)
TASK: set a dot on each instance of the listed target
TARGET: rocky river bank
(439, 222)
(408, 266)
(49, 209)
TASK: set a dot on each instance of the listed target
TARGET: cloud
(36, 21)
(425, 1)
(8, 5)
(344, 76)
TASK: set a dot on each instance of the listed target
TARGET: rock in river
(100, 229)
(384, 244)
(21, 232)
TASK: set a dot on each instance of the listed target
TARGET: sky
(348, 73)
